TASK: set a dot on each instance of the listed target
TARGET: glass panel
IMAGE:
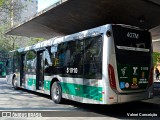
(31, 62)
(93, 58)
(16, 59)
(67, 59)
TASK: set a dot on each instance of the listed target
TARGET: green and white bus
(109, 64)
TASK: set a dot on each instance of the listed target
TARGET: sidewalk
(156, 87)
(157, 81)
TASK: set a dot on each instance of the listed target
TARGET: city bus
(109, 64)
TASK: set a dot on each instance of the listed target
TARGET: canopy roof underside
(77, 15)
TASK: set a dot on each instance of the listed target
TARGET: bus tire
(56, 92)
(14, 83)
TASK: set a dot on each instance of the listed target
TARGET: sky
(42, 4)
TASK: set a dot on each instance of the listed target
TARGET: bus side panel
(18, 78)
(122, 98)
(106, 52)
(9, 79)
(47, 84)
(30, 82)
(110, 96)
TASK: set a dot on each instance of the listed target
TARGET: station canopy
(73, 16)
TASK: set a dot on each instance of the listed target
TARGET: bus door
(22, 70)
(40, 71)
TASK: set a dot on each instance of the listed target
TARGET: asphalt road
(24, 102)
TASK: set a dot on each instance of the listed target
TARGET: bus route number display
(72, 70)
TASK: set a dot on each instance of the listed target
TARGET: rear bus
(130, 67)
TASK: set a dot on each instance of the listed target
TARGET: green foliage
(31, 55)
(33, 41)
(1, 2)
(9, 12)
(156, 58)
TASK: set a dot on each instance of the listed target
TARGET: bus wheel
(56, 92)
(14, 81)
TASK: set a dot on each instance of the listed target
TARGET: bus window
(48, 63)
(76, 59)
(93, 58)
(73, 58)
(47, 58)
(31, 62)
(16, 63)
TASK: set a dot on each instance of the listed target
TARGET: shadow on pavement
(156, 88)
(118, 111)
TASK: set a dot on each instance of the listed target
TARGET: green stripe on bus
(91, 92)
(31, 82)
(47, 84)
(1, 62)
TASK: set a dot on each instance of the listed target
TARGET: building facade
(23, 10)
(30, 8)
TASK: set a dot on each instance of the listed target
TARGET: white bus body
(109, 64)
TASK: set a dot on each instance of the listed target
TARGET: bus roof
(54, 41)
(80, 35)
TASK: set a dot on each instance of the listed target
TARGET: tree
(10, 11)
(156, 58)
(1, 2)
